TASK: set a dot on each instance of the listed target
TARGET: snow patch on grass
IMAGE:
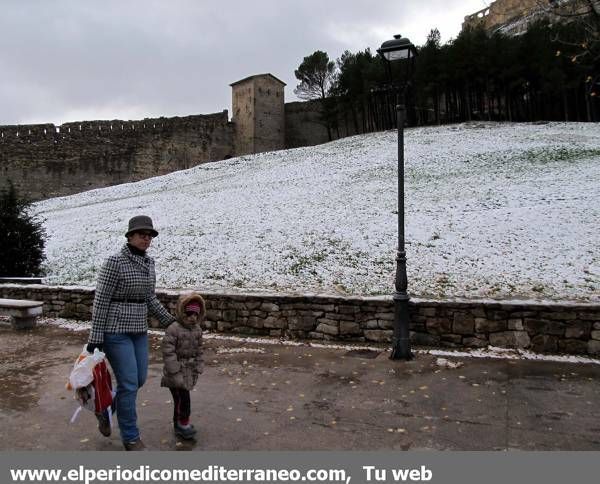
(493, 210)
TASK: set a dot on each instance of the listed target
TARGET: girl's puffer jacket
(182, 347)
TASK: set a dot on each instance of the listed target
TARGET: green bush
(22, 237)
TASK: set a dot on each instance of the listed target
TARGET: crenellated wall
(45, 160)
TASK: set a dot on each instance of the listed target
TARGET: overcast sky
(81, 60)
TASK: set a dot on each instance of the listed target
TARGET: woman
(124, 297)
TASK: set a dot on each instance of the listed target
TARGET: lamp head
(398, 48)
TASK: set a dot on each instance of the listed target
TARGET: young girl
(182, 356)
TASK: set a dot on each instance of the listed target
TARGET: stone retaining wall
(541, 327)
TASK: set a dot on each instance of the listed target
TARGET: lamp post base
(401, 352)
(401, 338)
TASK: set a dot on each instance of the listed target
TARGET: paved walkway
(257, 396)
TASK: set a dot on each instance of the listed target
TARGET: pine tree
(22, 237)
(317, 74)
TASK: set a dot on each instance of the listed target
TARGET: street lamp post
(400, 49)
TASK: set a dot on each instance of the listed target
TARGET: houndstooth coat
(125, 295)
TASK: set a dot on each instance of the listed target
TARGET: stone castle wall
(304, 125)
(545, 328)
(45, 160)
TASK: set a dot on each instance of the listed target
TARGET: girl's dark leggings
(181, 405)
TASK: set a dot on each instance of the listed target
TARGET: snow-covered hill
(492, 210)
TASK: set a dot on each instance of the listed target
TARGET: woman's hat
(141, 222)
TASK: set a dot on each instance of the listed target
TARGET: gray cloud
(64, 61)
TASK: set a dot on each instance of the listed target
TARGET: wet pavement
(257, 396)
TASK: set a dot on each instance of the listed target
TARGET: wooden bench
(23, 312)
(20, 280)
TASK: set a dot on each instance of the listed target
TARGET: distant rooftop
(257, 75)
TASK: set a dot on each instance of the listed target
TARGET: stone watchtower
(258, 114)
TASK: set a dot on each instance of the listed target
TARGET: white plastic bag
(81, 380)
(86, 397)
(81, 375)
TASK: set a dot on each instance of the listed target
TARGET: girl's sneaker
(187, 432)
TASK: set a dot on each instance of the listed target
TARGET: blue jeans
(127, 354)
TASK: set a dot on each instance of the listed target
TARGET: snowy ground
(492, 210)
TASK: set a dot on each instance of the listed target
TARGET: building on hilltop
(501, 12)
(512, 17)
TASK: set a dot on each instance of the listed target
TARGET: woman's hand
(92, 346)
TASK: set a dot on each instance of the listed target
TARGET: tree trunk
(508, 106)
(565, 105)
(436, 105)
(355, 118)
(577, 110)
(588, 106)
(467, 91)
